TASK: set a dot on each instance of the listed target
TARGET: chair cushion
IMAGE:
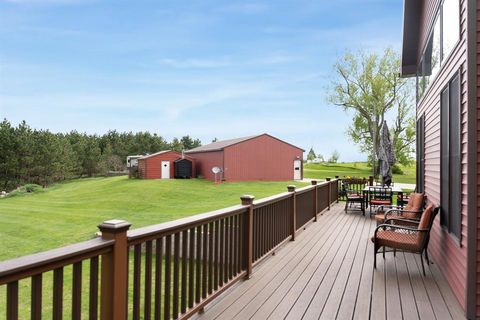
(395, 214)
(379, 202)
(398, 240)
(415, 202)
(426, 217)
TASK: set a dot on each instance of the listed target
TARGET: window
(451, 25)
(421, 154)
(430, 63)
(450, 161)
(443, 38)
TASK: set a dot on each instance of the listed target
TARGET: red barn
(260, 157)
(161, 165)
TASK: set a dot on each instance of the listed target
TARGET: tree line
(42, 157)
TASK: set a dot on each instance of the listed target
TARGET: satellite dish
(216, 170)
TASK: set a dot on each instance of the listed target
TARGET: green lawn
(69, 212)
(353, 169)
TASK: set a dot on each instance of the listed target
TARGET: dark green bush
(26, 189)
(397, 170)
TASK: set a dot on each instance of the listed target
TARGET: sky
(209, 69)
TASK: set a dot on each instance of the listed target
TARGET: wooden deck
(327, 273)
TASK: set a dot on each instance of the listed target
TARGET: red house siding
(261, 158)
(151, 167)
(205, 161)
(477, 117)
(449, 255)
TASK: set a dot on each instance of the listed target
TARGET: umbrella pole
(374, 162)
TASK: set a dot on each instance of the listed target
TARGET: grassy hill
(69, 212)
(353, 169)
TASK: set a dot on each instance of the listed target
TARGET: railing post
(338, 182)
(337, 186)
(329, 192)
(370, 180)
(247, 200)
(315, 199)
(291, 188)
(114, 271)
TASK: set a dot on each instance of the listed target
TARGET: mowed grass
(353, 169)
(70, 212)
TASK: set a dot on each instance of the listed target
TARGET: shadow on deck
(328, 273)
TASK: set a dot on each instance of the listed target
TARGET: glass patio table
(395, 190)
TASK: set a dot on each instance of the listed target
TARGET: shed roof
(166, 151)
(220, 145)
(156, 154)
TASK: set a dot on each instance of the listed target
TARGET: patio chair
(413, 238)
(379, 196)
(402, 198)
(412, 210)
(354, 193)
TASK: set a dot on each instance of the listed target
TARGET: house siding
(477, 118)
(261, 158)
(448, 253)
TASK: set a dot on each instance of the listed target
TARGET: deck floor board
(327, 273)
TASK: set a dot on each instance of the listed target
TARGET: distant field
(352, 169)
(69, 212)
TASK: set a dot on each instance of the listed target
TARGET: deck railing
(165, 271)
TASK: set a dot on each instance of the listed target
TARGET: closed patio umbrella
(386, 155)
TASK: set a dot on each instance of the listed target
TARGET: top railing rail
(170, 227)
(27, 266)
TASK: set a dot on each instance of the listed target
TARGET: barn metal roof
(220, 145)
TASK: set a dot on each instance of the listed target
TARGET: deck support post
(291, 189)
(114, 271)
(315, 200)
(247, 200)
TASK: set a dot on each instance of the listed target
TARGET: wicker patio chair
(354, 193)
(413, 238)
(379, 196)
(412, 210)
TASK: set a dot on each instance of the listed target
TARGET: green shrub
(396, 169)
(26, 189)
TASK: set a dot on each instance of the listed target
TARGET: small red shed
(260, 157)
(161, 165)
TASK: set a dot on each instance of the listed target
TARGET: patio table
(395, 190)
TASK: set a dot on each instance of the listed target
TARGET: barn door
(165, 169)
(297, 170)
